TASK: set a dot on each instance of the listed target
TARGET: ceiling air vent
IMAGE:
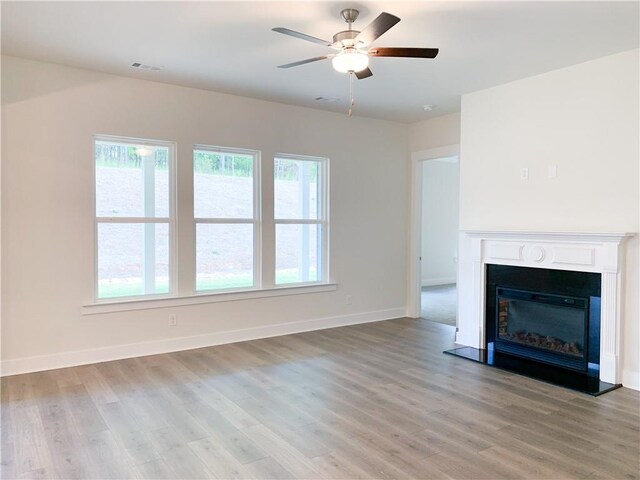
(144, 66)
(326, 99)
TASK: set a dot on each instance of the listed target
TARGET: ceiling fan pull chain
(352, 101)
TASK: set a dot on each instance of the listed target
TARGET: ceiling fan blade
(404, 52)
(375, 29)
(303, 36)
(362, 74)
(302, 62)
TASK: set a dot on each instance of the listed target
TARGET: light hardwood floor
(368, 401)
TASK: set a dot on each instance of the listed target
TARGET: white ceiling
(229, 46)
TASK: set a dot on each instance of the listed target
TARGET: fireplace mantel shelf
(551, 236)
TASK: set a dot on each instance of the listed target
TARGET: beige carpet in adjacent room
(439, 303)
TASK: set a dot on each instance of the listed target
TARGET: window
(227, 218)
(135, 222)
(300, 216)
(134, 208)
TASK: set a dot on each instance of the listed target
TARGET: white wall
(439, 221)
(49, 115)
(434, 132)
(584, 119)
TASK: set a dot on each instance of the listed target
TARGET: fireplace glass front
(544, 327)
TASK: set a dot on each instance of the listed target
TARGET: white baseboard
(432, 282)
(631, 379)
(116, 352)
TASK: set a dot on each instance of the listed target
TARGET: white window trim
(256, 221)
(323, 219)
(263, 288)
(171, 221)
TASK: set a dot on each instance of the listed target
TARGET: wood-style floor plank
(368, 401)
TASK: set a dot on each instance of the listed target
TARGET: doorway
(434, 235)
(439, 239)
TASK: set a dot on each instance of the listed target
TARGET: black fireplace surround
(546, 316)
(543, 323)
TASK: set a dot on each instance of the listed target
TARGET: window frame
(322, 220)
(170, 221)
(182, 291)
(256, 221)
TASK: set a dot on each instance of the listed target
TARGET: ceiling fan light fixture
(350, 60)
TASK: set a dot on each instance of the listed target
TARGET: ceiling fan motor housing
(345, 38)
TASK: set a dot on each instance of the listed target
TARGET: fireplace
(540, 270)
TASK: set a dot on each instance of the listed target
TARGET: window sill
(200, 298)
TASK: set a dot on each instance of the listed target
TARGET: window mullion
(134, 220)
(267, 225)
(296, 221)
(257, 221)
(225, 220)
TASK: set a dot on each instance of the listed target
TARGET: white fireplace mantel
(583, 252)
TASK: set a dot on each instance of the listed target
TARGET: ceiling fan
(353, 46)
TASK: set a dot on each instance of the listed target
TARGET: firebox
(542, 326)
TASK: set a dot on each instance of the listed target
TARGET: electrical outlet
(348, 299)
(173, 320)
